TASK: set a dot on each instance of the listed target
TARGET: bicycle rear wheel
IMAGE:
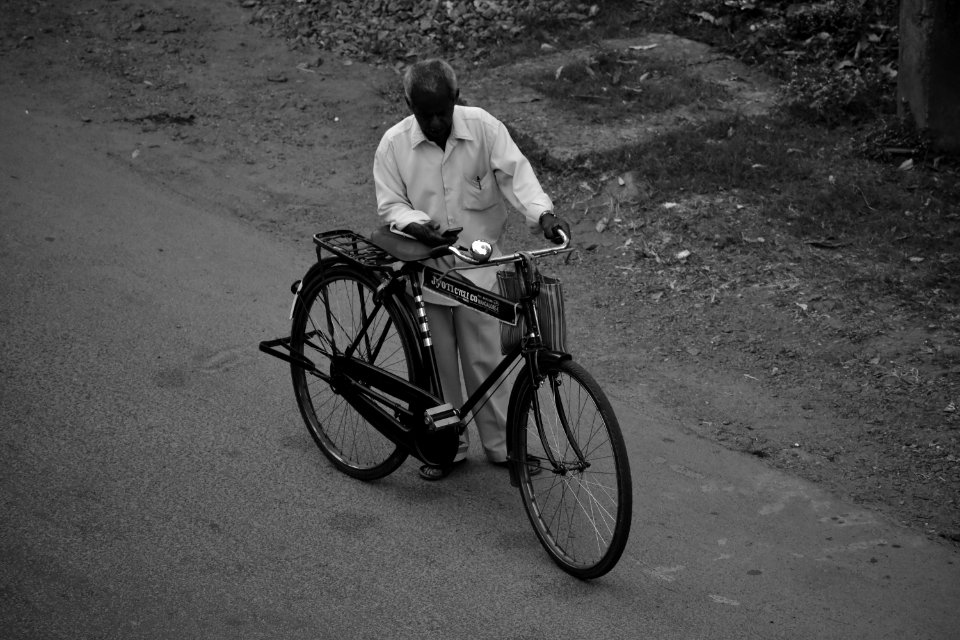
(334, 304)
(580, 509)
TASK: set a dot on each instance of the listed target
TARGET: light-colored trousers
(468, 341)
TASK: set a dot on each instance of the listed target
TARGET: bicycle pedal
(441, 417)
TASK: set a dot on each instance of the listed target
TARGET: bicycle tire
(581, 516)
(334, 301)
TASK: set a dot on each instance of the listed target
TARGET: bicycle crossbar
(465, 292)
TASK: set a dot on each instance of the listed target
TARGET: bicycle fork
(533, 346)
(559, 467)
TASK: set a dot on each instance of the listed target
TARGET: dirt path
(193, 96)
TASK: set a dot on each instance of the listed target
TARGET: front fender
(547, 361)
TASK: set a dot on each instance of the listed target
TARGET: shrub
(838, 57)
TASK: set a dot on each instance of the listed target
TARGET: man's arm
(515, 175)
(520, 186)
(393, 207)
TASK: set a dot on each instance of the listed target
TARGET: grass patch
(811, 184)
(732, 153)
(617, 84)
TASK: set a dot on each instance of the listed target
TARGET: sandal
(438, 472)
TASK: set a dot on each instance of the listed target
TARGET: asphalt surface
(157, 481)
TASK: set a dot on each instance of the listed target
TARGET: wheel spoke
(337, 310)
(581, 512)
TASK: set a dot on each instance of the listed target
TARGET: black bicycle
(366, 382)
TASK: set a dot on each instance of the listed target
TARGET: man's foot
(438, 472)
(533, 466)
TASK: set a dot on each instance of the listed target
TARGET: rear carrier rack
(354, 247)
(349, 246)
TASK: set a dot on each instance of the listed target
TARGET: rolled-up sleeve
(393, 204)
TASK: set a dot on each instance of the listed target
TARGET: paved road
(157, 483)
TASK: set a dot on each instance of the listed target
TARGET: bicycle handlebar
(512, 257)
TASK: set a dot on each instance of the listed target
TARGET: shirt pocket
(480, 192)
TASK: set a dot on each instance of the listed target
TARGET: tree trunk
(929, 75)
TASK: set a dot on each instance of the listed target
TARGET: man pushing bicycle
(443, 168)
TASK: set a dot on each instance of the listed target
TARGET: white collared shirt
(464, 185)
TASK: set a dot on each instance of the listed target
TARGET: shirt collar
(459, 130)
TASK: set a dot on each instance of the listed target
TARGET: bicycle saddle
(404, 249)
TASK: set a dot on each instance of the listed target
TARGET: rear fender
(312, 272)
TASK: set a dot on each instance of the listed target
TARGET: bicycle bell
(480, 250)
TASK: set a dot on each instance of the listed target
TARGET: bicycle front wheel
(335, 303)
(575, 481)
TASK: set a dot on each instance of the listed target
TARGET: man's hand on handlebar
(550, 224)
(429, 233)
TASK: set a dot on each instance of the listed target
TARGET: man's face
(434, 114)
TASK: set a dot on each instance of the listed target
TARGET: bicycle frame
(363, 363)
(403, 411)
(382, 387)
